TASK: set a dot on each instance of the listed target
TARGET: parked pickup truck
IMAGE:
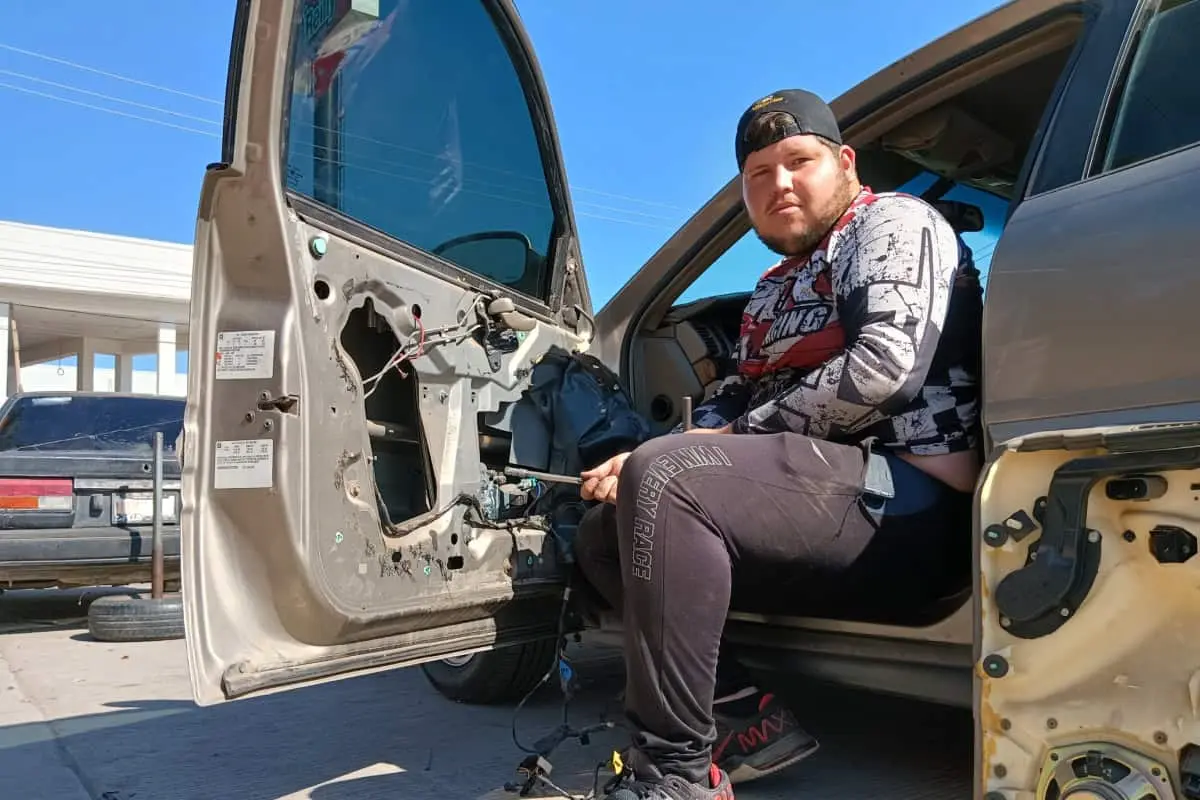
(76, 488)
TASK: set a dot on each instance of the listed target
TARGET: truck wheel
(115, 618)
(492, 677)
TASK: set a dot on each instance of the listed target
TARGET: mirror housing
(502, 256)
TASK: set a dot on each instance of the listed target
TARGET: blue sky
(612, 69)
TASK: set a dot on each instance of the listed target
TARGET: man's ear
(849, 158)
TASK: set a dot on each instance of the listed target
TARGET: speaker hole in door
(661, 408)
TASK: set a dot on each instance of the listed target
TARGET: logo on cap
(766, 101)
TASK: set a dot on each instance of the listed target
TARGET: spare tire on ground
(118, 618)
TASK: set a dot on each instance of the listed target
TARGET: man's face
(795, 189)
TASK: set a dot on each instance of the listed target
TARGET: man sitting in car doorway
(836, 466)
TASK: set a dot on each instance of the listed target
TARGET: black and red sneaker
(653, 785)
(752, 744)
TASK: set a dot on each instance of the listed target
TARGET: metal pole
(687, 412)
(156, 551)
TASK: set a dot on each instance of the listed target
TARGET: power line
(105, 73)
(537, 185)
(985, 252)
(539, 180)
(581, 206)
(94, 107)
(108, 97)
(214, 134)
(470, 189)
(159, 87)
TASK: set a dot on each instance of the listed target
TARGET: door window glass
(1159, 105)
(410, 118)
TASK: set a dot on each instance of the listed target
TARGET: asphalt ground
(88, 720)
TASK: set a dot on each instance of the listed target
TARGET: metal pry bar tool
(548, 477)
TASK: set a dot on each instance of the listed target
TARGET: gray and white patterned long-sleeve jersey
(860, 338)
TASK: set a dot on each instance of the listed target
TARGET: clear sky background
(124, 152)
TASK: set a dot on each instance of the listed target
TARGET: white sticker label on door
(245, 354)
(245, 464)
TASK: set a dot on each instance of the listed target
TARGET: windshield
(78, 422)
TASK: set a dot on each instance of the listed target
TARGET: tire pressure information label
(243, 355)
(245, 464)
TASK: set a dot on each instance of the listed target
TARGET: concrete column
(13, 353)
(7, 385)
(85, 366)
(166, 359)
(124, 373)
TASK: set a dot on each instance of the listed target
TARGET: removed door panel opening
(400, 460)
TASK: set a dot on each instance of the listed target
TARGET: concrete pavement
(85, 720)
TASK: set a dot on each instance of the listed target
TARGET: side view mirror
(963, 217)
(503, 256)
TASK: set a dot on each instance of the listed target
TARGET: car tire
(116, 618)
(492, 677)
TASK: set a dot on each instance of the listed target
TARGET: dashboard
(689, 353)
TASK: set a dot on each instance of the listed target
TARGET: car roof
(877, 90)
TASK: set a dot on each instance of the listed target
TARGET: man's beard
(803, 243)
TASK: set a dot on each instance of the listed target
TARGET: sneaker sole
(746, 772)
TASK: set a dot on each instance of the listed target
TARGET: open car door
(384, 252)
(1088, 602)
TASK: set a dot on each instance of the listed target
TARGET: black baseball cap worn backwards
(804, 113)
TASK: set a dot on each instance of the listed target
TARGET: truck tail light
(37, 494)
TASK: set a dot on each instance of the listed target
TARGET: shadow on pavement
(870, 747)
(389, 735)
(281, 745)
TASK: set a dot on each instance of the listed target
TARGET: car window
(411, 119)
(1158, 107)
(89, 423)
(735, 270)
(740, 267)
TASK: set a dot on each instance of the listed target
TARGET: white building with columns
(78, 308)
